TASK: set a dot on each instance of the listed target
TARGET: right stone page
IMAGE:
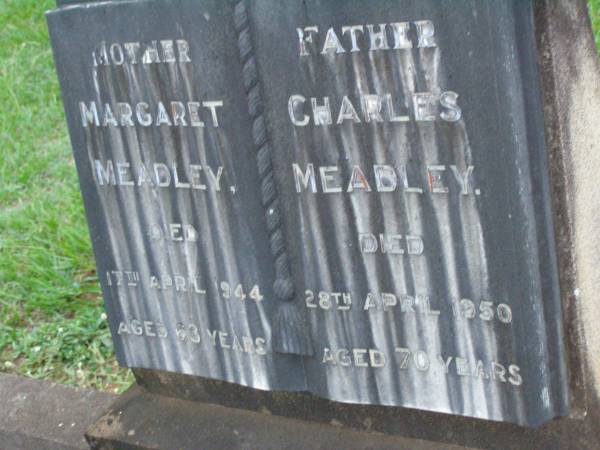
(411, 166)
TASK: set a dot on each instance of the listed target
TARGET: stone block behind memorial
(409, 168)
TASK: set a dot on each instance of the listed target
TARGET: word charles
(373, 108)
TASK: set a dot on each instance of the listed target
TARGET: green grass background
(52, 323)
(594, 6)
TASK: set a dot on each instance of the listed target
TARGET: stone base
(140, 420)
(37, 414)
(580, 431)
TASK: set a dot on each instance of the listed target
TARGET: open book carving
(343, 197)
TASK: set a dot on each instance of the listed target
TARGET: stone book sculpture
(347, 198)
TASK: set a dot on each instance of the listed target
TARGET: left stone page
(161, 135)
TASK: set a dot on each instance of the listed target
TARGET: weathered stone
(435, 220)
(210, 427)
(37, 414)
(382, 230)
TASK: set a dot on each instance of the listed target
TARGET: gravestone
(326, 209)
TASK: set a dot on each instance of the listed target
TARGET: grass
(52, 324)
(594, 6)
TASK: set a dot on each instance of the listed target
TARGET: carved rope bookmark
(289, 332)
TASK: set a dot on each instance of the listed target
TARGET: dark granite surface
(438, 159)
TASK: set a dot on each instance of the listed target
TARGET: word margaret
(175, 114)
